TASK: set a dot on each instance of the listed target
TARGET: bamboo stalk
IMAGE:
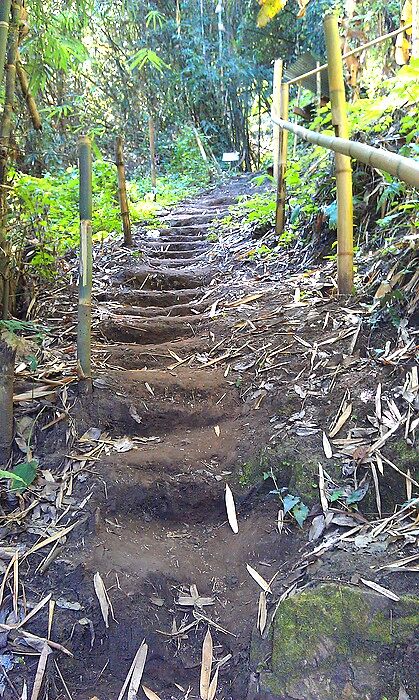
(29, 99)
(345, 250)
(122, 191)
(152, 143)
(7, 370)
(353, 52)
(5, 133)
(415, 29)
(4, 30)
(405, 169)
(276, 112)
(282, 169)
(84, 324)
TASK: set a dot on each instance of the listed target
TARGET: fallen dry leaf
(231, 510)
(259, 579)
(206, 665)
(102, 597)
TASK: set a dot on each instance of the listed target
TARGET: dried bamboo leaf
(262, 612)
(231, 510)
(378, 409)
(380, 589)
(217, 430)
(327, 447)
(137, 672)
(49, 540)
(341, 420)
(130, 672)
(409, 488)
(40, 671)
(206, 665)
(34, 611)
(150, 694)
(323, 499)
(100, 591)
(280, 520)
(259, 579)
(213, 685)
(377, 489)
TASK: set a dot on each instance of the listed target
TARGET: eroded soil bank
(212, 369)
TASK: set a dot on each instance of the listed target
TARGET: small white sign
(230, 157)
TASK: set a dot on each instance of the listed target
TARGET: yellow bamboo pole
(415, 28)
(343, 168)
(122, 191)
(276, 112)
(84, 325)
(282, 168)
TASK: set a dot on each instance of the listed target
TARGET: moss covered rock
(341, 643)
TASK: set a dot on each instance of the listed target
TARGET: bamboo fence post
(122, 191)
(342, 163)
(4, 30)
(152, 142)
(282, 167)
(84, 324)
(276, 112)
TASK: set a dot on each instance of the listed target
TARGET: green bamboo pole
(84, 326)
(405, 169)
(4, 30)
(122, 191)
(5, 133)
(282, 166)
(276, 112)
(345, 250)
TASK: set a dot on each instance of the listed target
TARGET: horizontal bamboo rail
(405, 169)
(353, 52)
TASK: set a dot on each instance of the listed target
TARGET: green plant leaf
(300, 513)
(24, 473)
(289, 502)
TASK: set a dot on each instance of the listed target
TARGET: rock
(340, 643)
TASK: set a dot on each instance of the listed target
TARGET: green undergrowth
(48, 206)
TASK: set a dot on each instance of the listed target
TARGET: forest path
(160, 519)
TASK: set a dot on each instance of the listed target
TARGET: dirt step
(149, 331)
(178, 262)
(152, 311)
(176, 238)
(163, 279)
(197, 247)
(201, 230)
(191, 219)
(171, 254)
(135, 356)
(146, 298)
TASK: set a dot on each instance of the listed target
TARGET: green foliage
(21, 476)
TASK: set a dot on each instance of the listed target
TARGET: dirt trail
(160, 526)
(212, 369)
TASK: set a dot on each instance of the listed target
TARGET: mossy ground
(321, 629)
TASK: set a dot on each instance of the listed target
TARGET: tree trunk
(122, 191)
(7, 369)
(30, 102)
